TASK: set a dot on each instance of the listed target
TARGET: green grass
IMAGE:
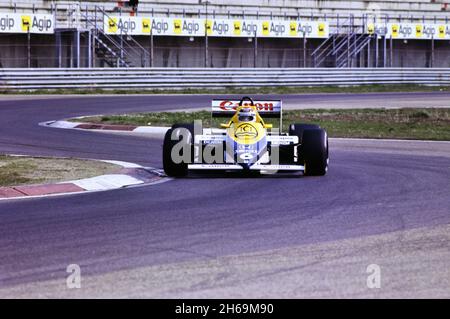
(407, 123)
(23, 170)
(245, 91)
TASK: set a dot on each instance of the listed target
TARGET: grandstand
(78, 37)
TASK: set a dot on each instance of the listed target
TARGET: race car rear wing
(227, 108)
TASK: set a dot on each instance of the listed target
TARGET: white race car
(245, 142)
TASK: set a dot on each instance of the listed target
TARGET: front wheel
(314, 149)
(174, 167)
(299, 128)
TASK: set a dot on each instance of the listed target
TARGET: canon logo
(232, 106)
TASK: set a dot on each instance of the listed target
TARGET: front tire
(299, 128)
(314, 150)
(171, 168)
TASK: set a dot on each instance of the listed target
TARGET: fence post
(58, 49)
(77, 40)
(29, 46)
(432, 52)
(377, 53)
(151, 47)
(304, 50)
(121, 49)
(89, 51)
(93, 47)
(255, 53)
(391, 49)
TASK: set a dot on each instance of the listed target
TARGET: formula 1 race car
(245, 142)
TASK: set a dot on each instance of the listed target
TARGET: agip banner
(413, 31)
(215, 27)
(27, 22)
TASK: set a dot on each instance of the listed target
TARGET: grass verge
(18, 170)
(407, 123)
(245, 91)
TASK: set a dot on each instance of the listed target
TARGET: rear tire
(314, 150)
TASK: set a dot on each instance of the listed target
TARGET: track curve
(368, 191)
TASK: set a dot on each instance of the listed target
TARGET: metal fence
(182, 78)
(43, 55)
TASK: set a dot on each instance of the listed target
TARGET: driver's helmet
(247, 115)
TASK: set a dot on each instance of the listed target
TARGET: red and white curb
(130, 175)
(155, 130)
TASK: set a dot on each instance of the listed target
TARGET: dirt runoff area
(25, 170)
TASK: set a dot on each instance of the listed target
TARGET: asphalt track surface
(372, 189)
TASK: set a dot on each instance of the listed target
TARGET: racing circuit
(382, 202)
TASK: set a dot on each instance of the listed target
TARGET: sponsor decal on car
(246, 130)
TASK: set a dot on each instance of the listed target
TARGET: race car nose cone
(246, 156)
(247, 159)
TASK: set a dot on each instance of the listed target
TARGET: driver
(247, 115)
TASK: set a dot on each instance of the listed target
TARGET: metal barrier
(177, 78)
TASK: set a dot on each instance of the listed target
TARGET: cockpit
(247, 115)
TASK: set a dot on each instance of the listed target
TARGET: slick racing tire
(286, 152)
(298, 128)
(171, 167)
(314, 149)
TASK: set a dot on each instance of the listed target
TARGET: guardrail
(176, 78)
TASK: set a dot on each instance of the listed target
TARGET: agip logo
(394, 30)
(177, 26)
(406, 31)
(209, 27)
(219, 27)
(277, 29)
(7, 23)
(371, 28)
(266, 28)
(25, 22)
(112, 25)
(160, 26)
(237, 27)
(293, 28)
(146, 26)
(419, 31)
(429, 31)
(441, 31)
(190, 27)
(304, 29)
(321, 29)
(249, 28)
